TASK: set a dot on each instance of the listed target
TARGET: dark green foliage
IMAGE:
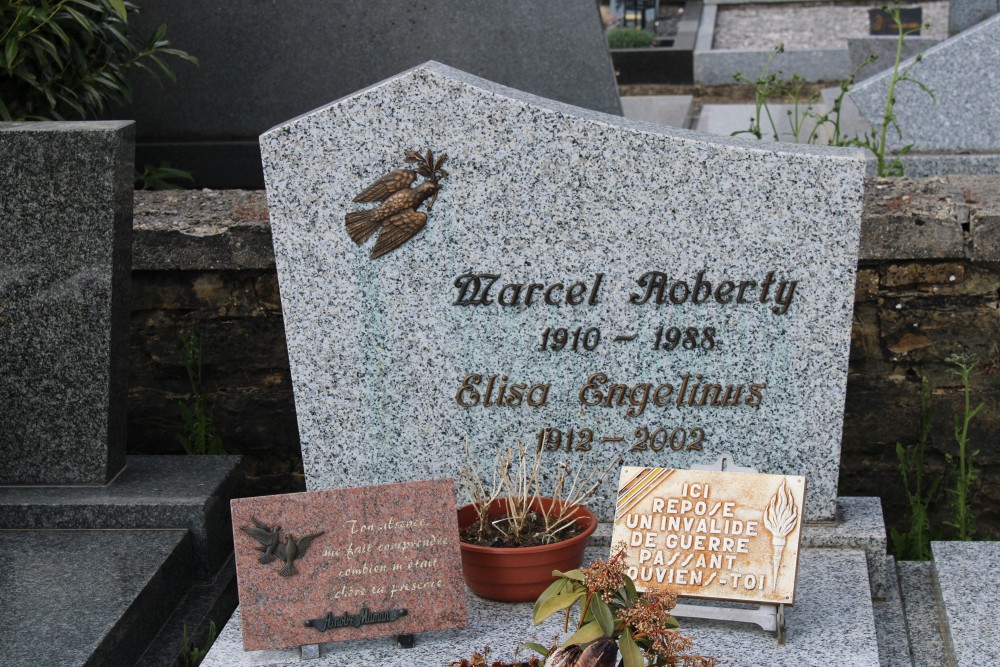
(963, 467)
(71, 59)
(629, 38)
(160, 178)
(191, 656)
(915, 543)
(198, 435)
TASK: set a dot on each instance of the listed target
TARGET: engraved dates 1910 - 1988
(667, 339)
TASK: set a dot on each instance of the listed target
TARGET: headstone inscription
(718, 535)
(527, 290)
(346, 564)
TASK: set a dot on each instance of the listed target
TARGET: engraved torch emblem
(396, 218)
(779, 519)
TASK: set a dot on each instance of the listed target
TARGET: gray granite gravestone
(101, 550)
(66, 212)
(884, 48)
(603, 287)
(963, 14)
(289, 62)
(964, 74)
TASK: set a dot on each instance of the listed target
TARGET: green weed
(198, 435)
(915, 543)
(191, 656)
(963, 468)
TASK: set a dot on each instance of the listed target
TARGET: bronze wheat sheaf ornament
(396, 218)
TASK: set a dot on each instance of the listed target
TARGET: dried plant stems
(517, 478)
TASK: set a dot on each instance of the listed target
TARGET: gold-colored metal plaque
(717, 535)
(396, 218)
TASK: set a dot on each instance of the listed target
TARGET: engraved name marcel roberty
(770, 290)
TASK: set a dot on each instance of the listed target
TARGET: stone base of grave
(111, 575)
(835, 619)
(832, 621)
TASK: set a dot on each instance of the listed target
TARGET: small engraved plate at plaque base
(731, 536)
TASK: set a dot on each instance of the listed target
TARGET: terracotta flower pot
(520, 574)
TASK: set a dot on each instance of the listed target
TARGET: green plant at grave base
(198, 434)
(160, 178)
(963, 469)
(70, 59)
(191, 656)
(766, 85)
(770, 84)
(613, 618)
(629, 38)
(832, 117)
(915, 543)
(875, 141)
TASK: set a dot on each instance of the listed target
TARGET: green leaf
(554, 604)
(575, 575)
(585, 634)
(119, 7)
(602, 613)
(536, 647)
(555, 588)
(631, 653)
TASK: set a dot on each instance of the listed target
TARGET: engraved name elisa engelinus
(396, 218)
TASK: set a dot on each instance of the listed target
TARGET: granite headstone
(597, 286)
(963, 14)
(66, 214)
(964, 74)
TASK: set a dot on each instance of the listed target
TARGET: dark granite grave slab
(209, 602)
(87, 597)
(260, 67)
(152, 492)
(66, 220)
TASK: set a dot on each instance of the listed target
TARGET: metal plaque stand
(770, 617)
(313, 651)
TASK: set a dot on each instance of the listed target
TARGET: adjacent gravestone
(298, 60)
(963, 14)
(593, 286)
(66, 212)
(108, 552)
(884, 49)
(964, 74)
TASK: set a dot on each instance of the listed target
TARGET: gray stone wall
(928, 283)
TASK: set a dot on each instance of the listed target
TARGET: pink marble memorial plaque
(344, 564)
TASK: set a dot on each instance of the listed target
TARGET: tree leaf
(119, 7)
(631, 653)
(575, 575)
(536, 647)
(602, 613)
(585, 634)
(554, 604)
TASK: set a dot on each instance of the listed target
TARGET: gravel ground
(809, 25)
